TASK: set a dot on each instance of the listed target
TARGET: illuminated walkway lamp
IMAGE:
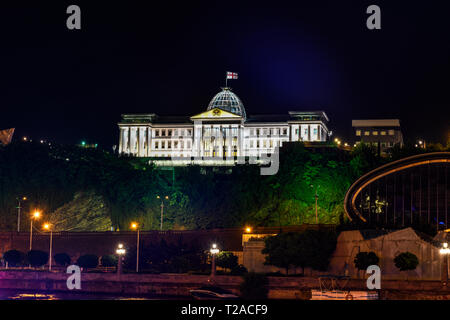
(135, 226)
(445, 250)
(214, 251)
(36, 215)
(48, 227)
(120, 252)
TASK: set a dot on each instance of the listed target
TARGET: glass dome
(228, 101)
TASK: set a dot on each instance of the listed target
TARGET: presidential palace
(222, 135)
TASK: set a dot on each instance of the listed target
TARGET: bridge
(408, 192)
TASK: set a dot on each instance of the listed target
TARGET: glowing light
(120, 249)
(248, 229)
(214, 249)
(445, 249)
(36, 215)
(134, 225)
(46, 226)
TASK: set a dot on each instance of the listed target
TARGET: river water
(8, 294)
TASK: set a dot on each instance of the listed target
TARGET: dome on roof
(228, 101)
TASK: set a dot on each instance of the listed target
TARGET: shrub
(109, 260)
(37, 258)
(239, 270)
(365, 259)
(88, 261)
(254, 286)
(14, 257)
(406, 261)
(227, 260)
(62, 259)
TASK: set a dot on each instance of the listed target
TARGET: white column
(120, 139)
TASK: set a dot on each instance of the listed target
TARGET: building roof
(376, 123)
(228, 101)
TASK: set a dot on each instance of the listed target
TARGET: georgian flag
(232, 75)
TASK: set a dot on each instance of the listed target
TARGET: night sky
(170, 58)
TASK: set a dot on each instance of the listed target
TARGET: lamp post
(36, 216)
(120, 252)
(162, 209)
(445, 250)
(47, 227)
(316, 196)
(134, 226)
(19, 199)
(214, 250)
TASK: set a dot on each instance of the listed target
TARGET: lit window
(367, 133)
(391, 132)
(375, 133)
(358, 132)
(383, 133)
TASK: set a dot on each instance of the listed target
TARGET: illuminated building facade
(221, 135)
(381, 133)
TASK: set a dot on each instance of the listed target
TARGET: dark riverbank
(170, 286)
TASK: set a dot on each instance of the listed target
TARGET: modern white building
(221, 135)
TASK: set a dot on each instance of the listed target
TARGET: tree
(227, 260)
(281, 250)
(311, 248)
(14, 258)
(109, 260)
(62, 259)
(37, 258)
(254, 286)
(406, 261)
(314, 249)
(88, 261)
(365, 259)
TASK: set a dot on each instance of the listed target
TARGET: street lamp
(248, 229)
(214, 250)
(134, 226)
(162, 209)
(120, 252)
(445, 250)
(36, 215)
(316, 196)
(19, 199)
(48, 227)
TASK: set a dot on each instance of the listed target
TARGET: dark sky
(170, 58)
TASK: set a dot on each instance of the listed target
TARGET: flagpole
(226, 79)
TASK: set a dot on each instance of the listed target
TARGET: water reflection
(24, 295)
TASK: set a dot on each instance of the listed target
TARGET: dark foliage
(254, 286)
(88, 261)
(14, 258)
(365, 259)
(406, 261)
(109, 260)
(62, 259)
(36, 258)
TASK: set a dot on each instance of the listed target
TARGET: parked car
(212, 293)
